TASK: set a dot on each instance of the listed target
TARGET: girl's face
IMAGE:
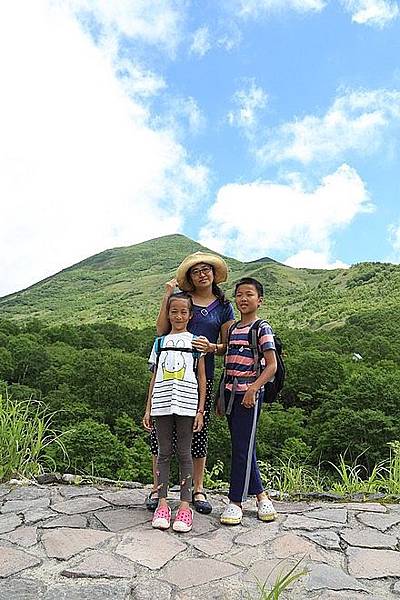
(179, 314)
(201, 275)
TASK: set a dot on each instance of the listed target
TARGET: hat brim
(220, 269)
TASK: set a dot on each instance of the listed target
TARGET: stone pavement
(63, 542)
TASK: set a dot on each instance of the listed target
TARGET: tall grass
(282, 582)
(290, 477)
(25, 434)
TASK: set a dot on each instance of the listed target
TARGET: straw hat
(218, 263)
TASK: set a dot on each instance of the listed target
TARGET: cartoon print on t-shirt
(174, 364)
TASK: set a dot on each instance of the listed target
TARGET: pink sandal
(162, 518)
(183, 520)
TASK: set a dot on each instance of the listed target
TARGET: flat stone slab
(338, 515)
(80, 505)
(396, 587)
(372, 564)
(150, 548)
(365, 507)
(230, 588)
(101, 564)
(125, 498)
(20, 506)
(330, 578)
(381, 522)
(307, 523)
(218, 542)
(73, 491)
(258, 535)
(23, 536)
(75, 521)
(122, 518)
(151, 589)
(89, 591)
(265, 572)
(9, 522)
(197, 571)
(370, 539)
(13, 560)
(292, 545)
(326, 538)
(21, 589)
(40, 514)
(28, 493)
(65, 543)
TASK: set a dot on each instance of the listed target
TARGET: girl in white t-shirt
(175, 399)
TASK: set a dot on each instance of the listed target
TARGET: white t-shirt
(175, 388)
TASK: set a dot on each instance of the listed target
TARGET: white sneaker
(266, 510)
(231, 515)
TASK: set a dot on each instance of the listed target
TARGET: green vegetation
(78, 344)
(282, 582)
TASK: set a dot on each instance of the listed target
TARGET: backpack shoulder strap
(253, 336)
(159, 342)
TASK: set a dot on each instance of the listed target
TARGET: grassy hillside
(125, 285)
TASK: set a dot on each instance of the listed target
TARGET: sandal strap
(199, 494)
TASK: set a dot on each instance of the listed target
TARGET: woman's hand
(170, 286)
(202, 344)
(198, 422)
(146, 421)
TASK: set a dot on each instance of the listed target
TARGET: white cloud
(394, 238)
(377, 13)
(314, 260)
(201, 43)
(356, 121)
(255, 8)
(82, 167)
(250, 220)
(248, 102)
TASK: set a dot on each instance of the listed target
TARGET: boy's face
(247, 298)
(179, 314)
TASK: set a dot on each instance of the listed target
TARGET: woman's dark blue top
(208, 321)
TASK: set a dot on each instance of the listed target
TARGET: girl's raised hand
(202, 344)
(170, 286)
(198, 422)
(147, 422)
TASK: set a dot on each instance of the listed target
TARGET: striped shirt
(175, 388)
(239, 361)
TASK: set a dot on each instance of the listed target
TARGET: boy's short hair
(180, 296)
(250, 281)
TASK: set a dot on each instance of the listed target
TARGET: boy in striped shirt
(243, 395)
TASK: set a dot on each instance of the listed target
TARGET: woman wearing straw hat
(199, 274)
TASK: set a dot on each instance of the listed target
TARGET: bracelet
(216, 349)
(200, 412)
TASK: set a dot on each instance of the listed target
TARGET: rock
(339, 515)
(292, 545)
(197, 571)
(21, 589)
(71, 479)
(26, 493)
(151, 589)
(331, 578)
(381, 522)
(13, 560)
(125, 498)
(101, 564)
(365, 507)
(19, 506)
(258, 535)
(78, 521)
(369, 539)
(120, 519)
(64, 543)
(396, 587)
(372, 564)
(217, 542)
(79, 505)
(9, 522)
(47, 478)
(307, 523)
(75, 491)
(230, 588)
(150, 548)
(322, 496)
(89, 591)
(23, 536)
(33, 516)
(326, 538)
(265, 572)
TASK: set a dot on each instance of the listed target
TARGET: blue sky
(257, 127)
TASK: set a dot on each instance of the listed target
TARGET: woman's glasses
(196, 272)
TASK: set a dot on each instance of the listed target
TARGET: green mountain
(125, 285)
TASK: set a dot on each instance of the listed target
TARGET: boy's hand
(170, 286)
(147, 422)
(249, 399)
(198, 422)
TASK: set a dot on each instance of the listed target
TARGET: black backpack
(273, 388)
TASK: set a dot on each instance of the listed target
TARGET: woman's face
(201, 275)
